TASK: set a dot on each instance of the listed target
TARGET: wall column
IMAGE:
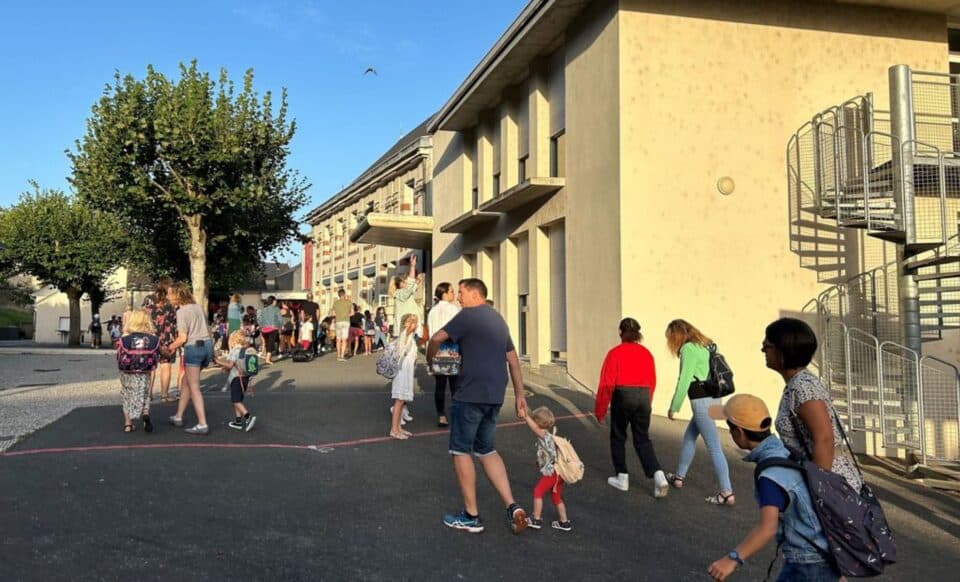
(538, 164)
(538, 316)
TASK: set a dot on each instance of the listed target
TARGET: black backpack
(858, 536)
(302, 355)
(719, 382)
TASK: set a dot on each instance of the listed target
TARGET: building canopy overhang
(392, 230)
(523, 193)
(470, 220)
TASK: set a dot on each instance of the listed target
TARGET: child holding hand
(541, 421)
(239, 345)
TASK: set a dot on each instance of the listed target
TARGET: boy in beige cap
(785, 507)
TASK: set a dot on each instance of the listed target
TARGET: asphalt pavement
(318, 492)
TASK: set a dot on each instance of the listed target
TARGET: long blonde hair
(680, 331)
(137, 321)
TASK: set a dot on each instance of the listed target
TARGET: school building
(614, 158)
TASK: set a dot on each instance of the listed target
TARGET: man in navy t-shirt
(487, 351)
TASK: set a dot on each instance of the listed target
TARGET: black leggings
(271, 339)
(632, 406)
(440, 394)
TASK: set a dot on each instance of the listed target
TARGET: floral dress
(802, 388)
(164, 318)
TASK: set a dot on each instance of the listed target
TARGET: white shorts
(343, 330)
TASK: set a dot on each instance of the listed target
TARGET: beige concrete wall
(49, 308)
(593, 186)
(711, 89)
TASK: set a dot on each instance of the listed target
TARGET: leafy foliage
(197, 171)
(63, 243)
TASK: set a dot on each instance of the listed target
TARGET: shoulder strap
(794, 420)
(775, 462)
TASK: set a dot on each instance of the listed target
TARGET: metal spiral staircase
(893, 176)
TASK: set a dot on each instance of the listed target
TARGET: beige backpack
(568, 464)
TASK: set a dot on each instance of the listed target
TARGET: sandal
(398, 436)
(167, 400)
(722, 499)
(128, 428)
(675, 480)
(442, 422)
(406, 432)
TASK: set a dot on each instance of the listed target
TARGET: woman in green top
(404, 299)
(691, 346)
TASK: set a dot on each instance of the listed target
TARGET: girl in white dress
(402, 391)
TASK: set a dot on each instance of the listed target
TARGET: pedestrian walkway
(318, 492)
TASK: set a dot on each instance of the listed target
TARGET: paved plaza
(317, 492)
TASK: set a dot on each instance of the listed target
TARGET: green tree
(63, 243)
(196, 169)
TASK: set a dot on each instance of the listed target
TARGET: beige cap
(744, 410)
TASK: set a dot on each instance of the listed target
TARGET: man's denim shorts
(472, 428)
(198, 356)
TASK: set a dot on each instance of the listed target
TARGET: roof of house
(408, 142)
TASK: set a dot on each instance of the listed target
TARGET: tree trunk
(73, 297)
(198, 259)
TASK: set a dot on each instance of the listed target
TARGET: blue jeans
(702, 425)
(472, 428)
(198, 356)
(810, 572)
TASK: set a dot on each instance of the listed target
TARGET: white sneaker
(621, 481)
(660, 485)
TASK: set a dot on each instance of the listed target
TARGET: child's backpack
(860, 541)
(251, 363)
(568, 464)
(719, 382)
(389, 362)
(137, 353)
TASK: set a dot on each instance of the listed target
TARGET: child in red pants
(541, 422)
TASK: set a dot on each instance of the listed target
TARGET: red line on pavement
(334, 445)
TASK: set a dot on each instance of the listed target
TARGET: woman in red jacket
(627, 382)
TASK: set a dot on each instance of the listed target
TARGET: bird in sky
(370, 70)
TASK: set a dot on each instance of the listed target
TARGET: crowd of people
(463, 322)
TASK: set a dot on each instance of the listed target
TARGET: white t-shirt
(236, 356)
(306, 331)
(441, 314)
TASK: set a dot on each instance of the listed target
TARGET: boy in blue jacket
(785, 507)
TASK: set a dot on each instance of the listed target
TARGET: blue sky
(55, 58)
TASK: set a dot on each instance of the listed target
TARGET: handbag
(447, 360)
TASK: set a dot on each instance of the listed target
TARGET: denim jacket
(799, 532)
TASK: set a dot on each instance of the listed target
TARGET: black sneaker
(236, 424)
(147, 425)
(517, 518)
(534, 523)
(562, 525)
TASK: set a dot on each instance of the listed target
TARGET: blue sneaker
(462, 521)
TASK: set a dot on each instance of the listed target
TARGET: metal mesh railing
(935, 109)
(940, 402)
(899, 392)
(863, 401)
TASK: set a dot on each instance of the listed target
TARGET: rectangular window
(475, 197)
(558, 155)
(496, 184)
(522, 169)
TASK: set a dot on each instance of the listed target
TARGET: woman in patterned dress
(164, 317)
(806, 419)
